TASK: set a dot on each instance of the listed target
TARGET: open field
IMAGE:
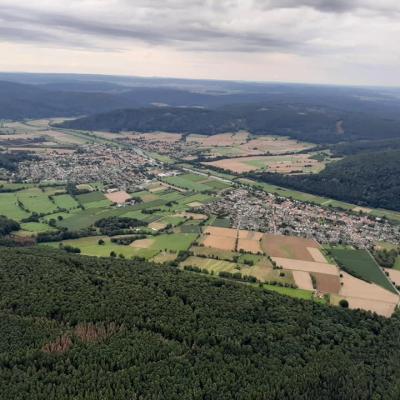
(362, 264)
(118, 197)
(296, 163)
(306, 266)
(35, 200)
(93, 200)
(89, 246)
(37, 227)
(327, 283)
(296, 293)
(243, 144)
(394, 275)
(65, 201)
(289, 247)
(168, 242)
(196, 183)
(367, 296)
(303, 280)
(10, 208)
(219, 140)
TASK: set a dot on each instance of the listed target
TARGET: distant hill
(318, 124)
(368, 179)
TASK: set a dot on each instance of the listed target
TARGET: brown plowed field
(327, 283)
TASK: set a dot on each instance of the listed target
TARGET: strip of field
(303, 280)
(362, 264)
(296, 293)
(307, 266)
(168, 242)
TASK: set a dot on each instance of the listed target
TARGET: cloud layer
(320, 31)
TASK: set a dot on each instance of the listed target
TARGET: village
(112, 166)
(257, 210)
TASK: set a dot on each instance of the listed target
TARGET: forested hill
(318, 124)
(74, 327)
(368, 179)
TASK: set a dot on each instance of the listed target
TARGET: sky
(313, 41)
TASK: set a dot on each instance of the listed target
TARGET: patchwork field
(90, 246)
(363, 265)
(290, 247)
(196, 183)
(168, 242)
(243, 144)
(295, 163)
(367, 296)
(35, 200)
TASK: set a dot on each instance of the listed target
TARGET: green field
(35, 200)
(210, 264)
(173, 242)
(89, 246)
(296, 293)
(93, 200)
(65, 201)
(362, 264)
(189, 182)
(37, 227)
(221, 223)
(9, 207)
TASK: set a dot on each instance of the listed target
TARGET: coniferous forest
(75, 327)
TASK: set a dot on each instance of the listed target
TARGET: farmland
(362, 265)
(296, 163)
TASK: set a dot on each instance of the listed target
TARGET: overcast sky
(327, 41)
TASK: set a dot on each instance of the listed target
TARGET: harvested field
(142, 243)
(394, 275)
(295, 163)
(380, 307)
(250, 235)
(367, 296)
(327, 283)
(118, 197)
(195, 204)
(316, 254)
(223, 139)
(194, 216)
(157, 226)
(303, 280)
(288, 247)
(307, 266)
(252, 246)
(217, 231)
(220, 242)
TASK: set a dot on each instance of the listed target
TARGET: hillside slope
(73, 326)
(367, 179)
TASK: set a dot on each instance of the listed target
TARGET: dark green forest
(366, 179)
(76, 327)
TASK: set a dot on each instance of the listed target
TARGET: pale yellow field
(307, 266)
(303, 280)
(118, 197)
